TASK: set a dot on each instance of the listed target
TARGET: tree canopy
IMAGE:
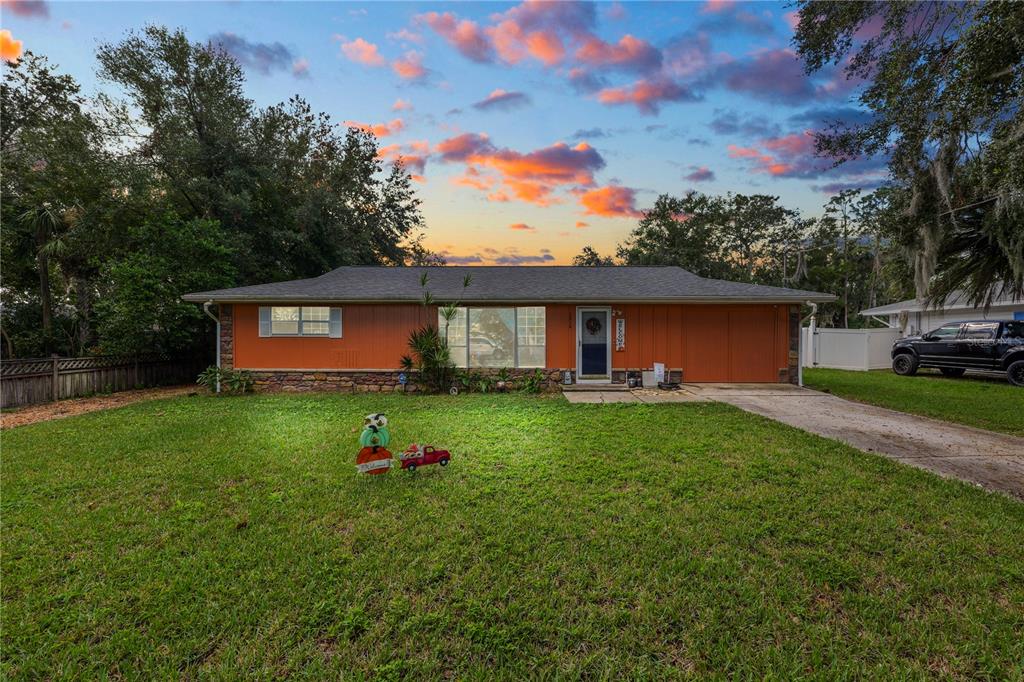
(113, 208)
(944, 84)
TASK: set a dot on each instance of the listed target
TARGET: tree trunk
(7, 342)
(84, 305)
(45, 298)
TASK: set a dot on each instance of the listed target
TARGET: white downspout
(206, 309)
(810, 342)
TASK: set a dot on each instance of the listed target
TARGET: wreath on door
(593, 325)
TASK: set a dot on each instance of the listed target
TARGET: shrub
(430, 358)
(532, 383)
(232, 381)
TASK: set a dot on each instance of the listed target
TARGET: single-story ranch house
(349, 328)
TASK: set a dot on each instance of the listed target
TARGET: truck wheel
(411, 467)
(443, 461)
(1015, 373)
(905, 365)
(952, 371)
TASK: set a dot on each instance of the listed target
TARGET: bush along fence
(39, 380)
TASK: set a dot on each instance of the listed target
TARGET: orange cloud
(362, 52)
(473, 178)
(401, 105)
(791, 155)
(580, 224)
(412, 154)
(392, 127)
(546, 47)
(629, 53)
(465, 35)
(522, 227)
(531, 177)
(10, 49)
(646, 95)
(612, 201)
(410, 67)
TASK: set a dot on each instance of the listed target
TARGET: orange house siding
(373, 337)
(714, 342)
(708, 342)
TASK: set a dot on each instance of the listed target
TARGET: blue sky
(535, 128)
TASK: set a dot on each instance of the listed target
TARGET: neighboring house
(915, 317)
(349, 328)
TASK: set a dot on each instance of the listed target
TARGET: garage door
(730, 343)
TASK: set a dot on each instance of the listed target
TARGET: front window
(300, 320)
(492, 337)
(454, 331)
(495, 337)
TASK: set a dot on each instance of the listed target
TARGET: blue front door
(593, 343)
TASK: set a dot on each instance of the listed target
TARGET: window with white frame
(496, 337)
(300, 321)
(454, 331)
(530, 336)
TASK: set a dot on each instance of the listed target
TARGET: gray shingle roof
(493, 284)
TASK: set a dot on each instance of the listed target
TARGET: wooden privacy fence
(39, 380)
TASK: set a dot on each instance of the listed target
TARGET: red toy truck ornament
(419, 455)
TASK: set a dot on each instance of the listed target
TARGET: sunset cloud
(413, 154)
(522, 227)
(580, 224)
(401, 105)
(502, 100)
(29, 9)
(647, 96)
(464, 35)
(778, 76)
(300, 67)
(531, 177)
(362, 52)
(409, 67)
(392, 127)
(793, 156)
(612, 201)
(630, 53)
(700, 174)
(10, 49)
(732, 123)
(263, 58)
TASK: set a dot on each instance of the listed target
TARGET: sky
(531, 129)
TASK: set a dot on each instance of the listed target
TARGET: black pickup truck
(955, 347)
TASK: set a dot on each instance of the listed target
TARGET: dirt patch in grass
(69, 408)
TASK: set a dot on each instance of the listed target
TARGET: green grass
(982, 402)
(229, 538)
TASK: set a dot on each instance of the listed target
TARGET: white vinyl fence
(857, 349)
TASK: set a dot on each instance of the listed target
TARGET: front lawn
(980, 401)
(205, 537)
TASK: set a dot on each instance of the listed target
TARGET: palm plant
(429, 355)
(430, 358)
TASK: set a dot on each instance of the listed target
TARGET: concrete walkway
(991, 460)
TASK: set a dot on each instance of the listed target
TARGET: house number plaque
(620, 333)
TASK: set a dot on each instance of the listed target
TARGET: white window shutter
(264, 320)
(335, 326)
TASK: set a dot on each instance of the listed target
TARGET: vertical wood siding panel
(373, 337)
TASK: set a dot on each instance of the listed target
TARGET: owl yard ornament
(374, 457)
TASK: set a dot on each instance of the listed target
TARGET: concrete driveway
(991, 460)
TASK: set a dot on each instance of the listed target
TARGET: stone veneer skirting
(366, 381)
